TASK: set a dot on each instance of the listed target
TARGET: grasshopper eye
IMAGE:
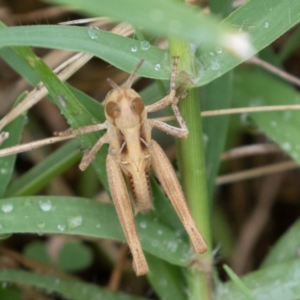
(113, 109)
(137, 105)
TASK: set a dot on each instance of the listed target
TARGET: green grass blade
(264, 21)
(285, 249)
(71, 215)
(157, 17)
(280, 126)
(7, 163)
(275, 283)
(113, 48)
(239, 283)
(290, 45)
(166, 279)
(48, 169)
(71, 289)
(75, 113)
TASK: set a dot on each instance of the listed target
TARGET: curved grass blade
(70, 289)
(7, 164)
(48, 169)
(276, 283)
(71, 215)
(286, 249)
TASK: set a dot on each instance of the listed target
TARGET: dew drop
(61, 100)
(3, 171)
(286, 146)
(215, 65)
(154, 244)
(273, 123)
(211, 54)
(133, 48)
(93, 32)
(7, 208)
(266, 25)
(193, 47)
(61, 227)
(219, 50)
(244, 118)
(145, 45)
(157, 67)
(98, 225)
(172, 246)
(41, 224)
(74, 222)
(45, 205)
(159, 232)
(143, 225)
(205, 138)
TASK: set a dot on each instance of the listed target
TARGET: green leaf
(265, 21)
(238, 283)
(7, 163)
(71, 215)
(163, 17)
(48, 169)
(286, 248)
(71, 289)
(280, 126)
(37, 250)
(74, 256)
(166, 279)
(113, 48)
(275, 283)
(7, 293)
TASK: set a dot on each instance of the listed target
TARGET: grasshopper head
(124, 107)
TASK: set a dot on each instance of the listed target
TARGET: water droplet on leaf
(7, 207)
(215, 65)
(157, 67)
(61, 227)
(94, 32)
(74, 222)
(45, 205)
(41, 224)
(145, 45)
(133, 48)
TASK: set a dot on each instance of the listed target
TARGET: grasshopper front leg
(123, 206)
(168, 179)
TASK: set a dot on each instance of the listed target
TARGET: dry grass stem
(257, 172)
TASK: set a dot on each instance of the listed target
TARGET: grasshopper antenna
(132, 76)
(113, 84)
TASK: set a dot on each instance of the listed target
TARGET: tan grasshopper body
(133, 152)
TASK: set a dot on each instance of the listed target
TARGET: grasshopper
(132, 153)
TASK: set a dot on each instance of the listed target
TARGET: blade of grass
(281, 127)
(166, 279)
(276, 283)
(239, 283)
(285, 249)
(7, 164)
(71, 215)
(53, 165)
(191, 159)
(70, 289)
